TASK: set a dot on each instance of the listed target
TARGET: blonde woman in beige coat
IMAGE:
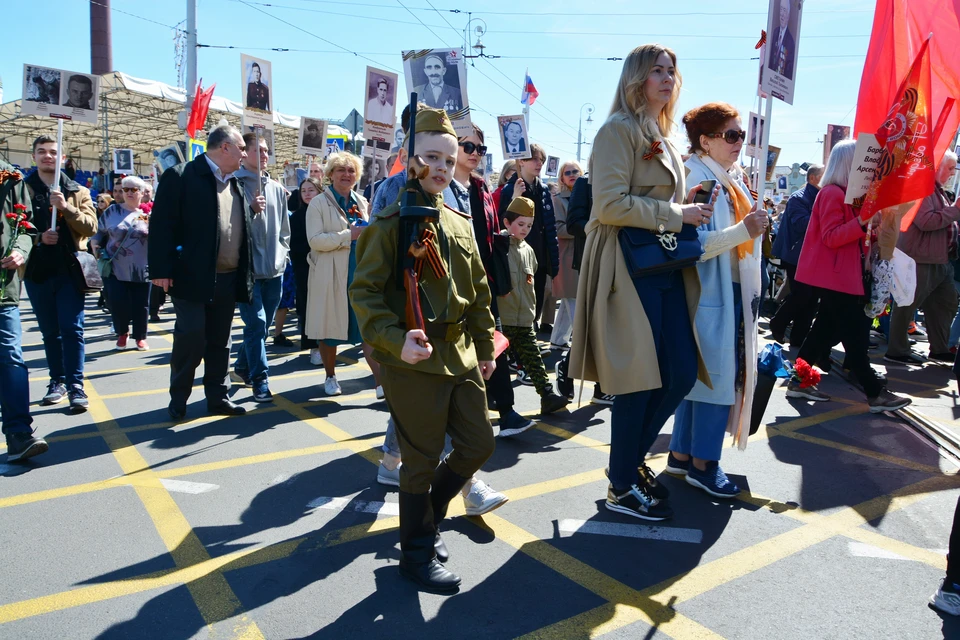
(637, 337)
(565, 282)
(335, 219)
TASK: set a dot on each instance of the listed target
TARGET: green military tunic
(462, 295)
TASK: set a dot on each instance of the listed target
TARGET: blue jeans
(129, 304)
(636, 418)
(14, 386)
(58, 305)
(257, 317)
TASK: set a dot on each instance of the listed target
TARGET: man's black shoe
(21, 445)
(432, 576)
(176, 412)
(226, 408)
(442, 554)
(155, 318)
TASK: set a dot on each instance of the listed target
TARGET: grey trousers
(937, 298)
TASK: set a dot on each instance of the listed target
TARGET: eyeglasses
(730, 135)
(469, 147)
(571, 172)
(131, 189)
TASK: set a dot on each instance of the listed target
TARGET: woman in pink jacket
(832, 261)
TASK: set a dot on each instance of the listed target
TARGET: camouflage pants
(523, 342)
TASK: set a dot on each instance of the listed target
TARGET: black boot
(418, 534)
(446, 486)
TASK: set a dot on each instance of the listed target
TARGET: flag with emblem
(530, 93)
(906, 171)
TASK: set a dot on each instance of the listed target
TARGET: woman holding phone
(636, 336)
(730, 283)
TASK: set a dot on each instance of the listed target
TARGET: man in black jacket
(200, 252)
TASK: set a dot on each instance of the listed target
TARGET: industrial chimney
(101, 45)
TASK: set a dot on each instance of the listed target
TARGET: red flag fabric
(200, 109)
(397, 166)
(906, 171)
(899, 29)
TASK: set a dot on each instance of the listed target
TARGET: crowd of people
(489, 265)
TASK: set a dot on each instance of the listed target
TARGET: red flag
(899, 29)
(397, 166)
(200, 108)
(906, 171)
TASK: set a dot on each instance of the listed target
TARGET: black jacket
(543, 232)
(185, 233)
(578, 215)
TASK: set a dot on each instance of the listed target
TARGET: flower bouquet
(803, 373)
(17, 220)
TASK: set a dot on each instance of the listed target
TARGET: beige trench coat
(328, 233)
(612, 340)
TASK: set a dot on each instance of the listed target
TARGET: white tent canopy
(134, 114)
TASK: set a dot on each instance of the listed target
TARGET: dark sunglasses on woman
(469, 147)
(571, 172)
(730, 136)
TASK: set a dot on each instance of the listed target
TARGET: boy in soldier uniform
(432, 379)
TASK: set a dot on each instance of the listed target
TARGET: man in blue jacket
(800, 306)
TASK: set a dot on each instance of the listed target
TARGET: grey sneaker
(794, 390)
(78, 399)
(387, 477)
(482, 499)
(946, 599)
(887, 401)
(56, 392)
(21, 445)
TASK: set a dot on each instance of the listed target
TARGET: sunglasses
(571, 172)
(730, 135)
(469, 147)
(130, 189)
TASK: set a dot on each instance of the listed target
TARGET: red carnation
(19, 207)
(12, 216)
(806, 375)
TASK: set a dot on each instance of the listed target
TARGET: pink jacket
(831, 257)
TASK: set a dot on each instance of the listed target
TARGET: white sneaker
(315, 358)
(482, 499)
(379, 392)
(946, 600)
(332, 387)
(387, 477)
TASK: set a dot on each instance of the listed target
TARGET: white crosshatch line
(360, 506)
(644, 531)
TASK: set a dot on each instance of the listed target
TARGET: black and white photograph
(312, 138)
(553, 166)
(397, 139)
(783, 39)
(41, 85)
(373, 171)
(488, 164)
(513, 135)
(773, 153)
(167, 157)
(58, 93)
(123, 161)
(379, 114)
(439, 78)
(290, 175)
(257, 83)
(754, 135)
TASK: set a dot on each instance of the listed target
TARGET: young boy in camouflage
(518, 308)
(432, 378)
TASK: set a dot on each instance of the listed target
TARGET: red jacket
(831, 257)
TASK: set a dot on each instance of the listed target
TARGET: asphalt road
(272, 525)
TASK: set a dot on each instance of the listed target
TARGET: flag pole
(56, 175)
(526, 106)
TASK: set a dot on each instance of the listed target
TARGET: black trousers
(800, 308)
(842, 320)
(953, 551)
(539, 284)
(202, 332)
(157, 297)
(499, 387)
(301, 274)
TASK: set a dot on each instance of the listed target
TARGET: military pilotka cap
(522, 207)
(434, 120)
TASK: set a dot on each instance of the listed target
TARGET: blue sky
(564, 44)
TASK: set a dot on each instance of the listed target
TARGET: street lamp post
(590, 109)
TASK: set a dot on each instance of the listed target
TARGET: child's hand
(412, 351)
(487, 367)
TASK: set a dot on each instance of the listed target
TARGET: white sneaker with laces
(946, 599)
(387, 477)
(315, 358)
(379, 392)
(332, 387)
(482, 499)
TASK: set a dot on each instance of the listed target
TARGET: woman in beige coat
(565, 282)
(335, 220)
(636, 337)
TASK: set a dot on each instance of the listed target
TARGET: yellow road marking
(211, 593)
(108, 372)
(326, 428)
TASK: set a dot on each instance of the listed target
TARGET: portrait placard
(123, 161)
(439, 77)
(380, 111)
(59, 93)
(773, 153)
(312, 138)
(835, 133)
(257, 82)
(866, 159)
(783, 38)
(553, 166)
(513, 137)
(754, 135)
(167, 157)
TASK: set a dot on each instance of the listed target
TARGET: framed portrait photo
(513, 137)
